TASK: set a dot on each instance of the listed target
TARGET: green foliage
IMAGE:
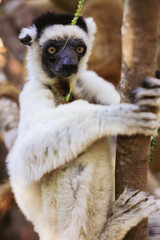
(78, 12)
(152, 148)
(70, 91)
(73, 22)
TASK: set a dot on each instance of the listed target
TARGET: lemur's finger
(139, 93)
(142, 115)
(151, 82)
(153, 102)
(127, 195)
(148, 132)
(137, 203)
(143, 123)
(148, 124)
(148, 116)
(157, 74)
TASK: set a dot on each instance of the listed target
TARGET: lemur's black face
(60, 60)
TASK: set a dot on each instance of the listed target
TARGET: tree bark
(155, 165)
(139, 57)
(9, 112)
(3, 154)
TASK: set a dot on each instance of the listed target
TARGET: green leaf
(152, 148)
(78, 12)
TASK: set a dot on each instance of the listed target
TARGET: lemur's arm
(91, 87)
(51, 136)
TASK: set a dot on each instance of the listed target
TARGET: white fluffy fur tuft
(91, 27)
(31, 31)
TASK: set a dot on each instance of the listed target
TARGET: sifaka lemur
(61, 164)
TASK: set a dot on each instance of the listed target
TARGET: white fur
(61, 164)
(31, 31)
(61, 31)
(103, 91)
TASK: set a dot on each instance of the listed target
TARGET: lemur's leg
(126, 212)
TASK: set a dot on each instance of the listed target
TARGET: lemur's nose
(70, 68)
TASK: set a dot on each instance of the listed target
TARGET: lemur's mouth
(64, 76)
(66, 71)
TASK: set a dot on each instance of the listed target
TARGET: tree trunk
(139, 50)
(155, 165)
(3, 154)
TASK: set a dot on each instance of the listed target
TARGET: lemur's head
(57, 47)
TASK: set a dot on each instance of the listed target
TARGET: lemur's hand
(142, 117)
(148, 96)
(128, 119)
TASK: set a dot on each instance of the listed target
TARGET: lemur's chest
(60, 89)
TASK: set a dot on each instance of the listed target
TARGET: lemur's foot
(133, 206)
(126, 212)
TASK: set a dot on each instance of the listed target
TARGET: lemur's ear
(28, 35)
(91, 25)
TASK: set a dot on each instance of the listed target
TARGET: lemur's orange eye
(80, 49)
(52, 50)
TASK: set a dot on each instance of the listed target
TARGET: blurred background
(105, 60)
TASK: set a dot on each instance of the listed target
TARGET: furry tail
(6, 198)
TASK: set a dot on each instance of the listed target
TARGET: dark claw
(158, 73)
(133, 100)
(133, 95)
(146, 83)
(133, 189)
(145, 109)
(133, 92)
